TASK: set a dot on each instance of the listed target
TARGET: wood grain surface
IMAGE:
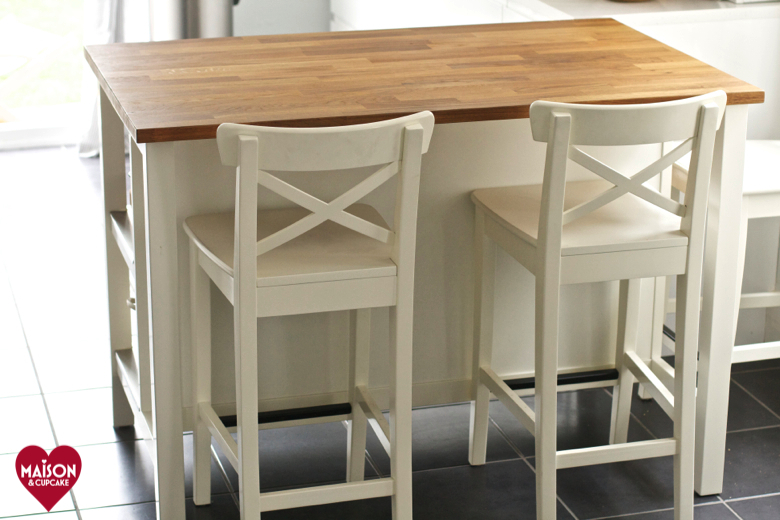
(181, 90)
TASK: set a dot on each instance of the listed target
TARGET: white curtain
(102, 24)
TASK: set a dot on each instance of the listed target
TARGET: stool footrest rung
(225, 441)
(122, 229)
(128, 374)
(756, 352)
(508, 398)
(651, 382)
(293, 414)
(575, 378)
(615, 453)
(319, 495)
(664, 371)
(375, 416)
(760, 300)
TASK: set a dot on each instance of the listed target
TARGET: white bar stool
(318, 257)
(760, 199)
(593, 231)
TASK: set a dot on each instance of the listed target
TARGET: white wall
(252, 17)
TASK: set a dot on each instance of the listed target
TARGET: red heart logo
(48, 477)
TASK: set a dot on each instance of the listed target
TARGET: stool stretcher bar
(319, 495)
(760, 300)
(757, 300)
(652, 384)
(509, 398)
(615, 453)
(219, 432)
(122, 230)
(128, 374)
(664, 371)
(284, 418)
(756, 352)
(375, 416)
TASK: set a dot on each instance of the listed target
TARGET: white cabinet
(531, 11)
(360, 15)
(251, 17)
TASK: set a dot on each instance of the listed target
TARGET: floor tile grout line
(369, 458)
(759, 401)
(662, 510)
(35, 371)
(373, 464)
(644, 427)
(18, 396)
(566, 507)
(118, 441)
(729, 508)
(755, 370)
(755, 428)
(753, 497)
(636, 418)
(33, 515)
(466, 465)
(557, 496)
(623, 515)
(120, 505)
(127, 504)
(59, 392)
(626, 515)
(506, 438)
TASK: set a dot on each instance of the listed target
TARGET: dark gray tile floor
(53, 375)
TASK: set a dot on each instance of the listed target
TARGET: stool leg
(484, 282)
(546, 393)
(687, 332)
(360, 346)
(742, 249)
(660, 296)
(401, 403)
(200, 317)
(245, 327)
(628, 314)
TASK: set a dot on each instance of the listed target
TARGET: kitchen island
(479, 81)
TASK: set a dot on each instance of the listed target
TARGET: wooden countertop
(184, 89)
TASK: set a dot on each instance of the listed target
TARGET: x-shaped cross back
(322, 211)
(624, 185)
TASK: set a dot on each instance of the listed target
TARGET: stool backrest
(392, 146)
(564, 127)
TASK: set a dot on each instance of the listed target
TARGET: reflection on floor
(54, 389)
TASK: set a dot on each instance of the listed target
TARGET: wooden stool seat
(628, 223)
(328, 252)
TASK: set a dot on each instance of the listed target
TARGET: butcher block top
(184, 89)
